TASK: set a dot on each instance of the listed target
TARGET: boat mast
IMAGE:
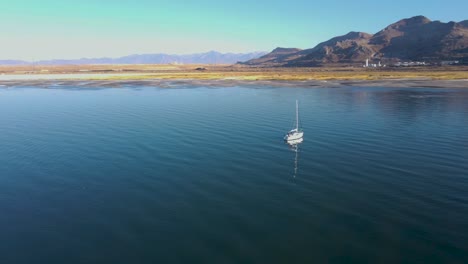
(297, 115)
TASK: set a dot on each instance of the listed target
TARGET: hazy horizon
(135, 54)
(55, 29)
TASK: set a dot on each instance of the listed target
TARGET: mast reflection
(294, 146)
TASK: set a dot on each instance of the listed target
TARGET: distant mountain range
(212, 57)
(412, 39)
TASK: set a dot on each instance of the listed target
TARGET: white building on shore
(373, 65)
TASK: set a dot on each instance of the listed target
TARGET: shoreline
(174, 83)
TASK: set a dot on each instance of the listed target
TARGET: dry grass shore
(230, 73)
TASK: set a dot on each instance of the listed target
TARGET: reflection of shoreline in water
(145, 79)
(294, 145)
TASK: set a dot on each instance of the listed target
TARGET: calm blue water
(201, 175)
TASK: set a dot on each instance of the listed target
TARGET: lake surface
(201, 175)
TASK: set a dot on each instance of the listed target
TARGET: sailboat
(295, 134)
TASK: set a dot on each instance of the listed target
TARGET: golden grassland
(230, 72)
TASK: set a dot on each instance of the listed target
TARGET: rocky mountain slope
(413, 39)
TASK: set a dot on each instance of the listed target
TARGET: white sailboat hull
(294, 136)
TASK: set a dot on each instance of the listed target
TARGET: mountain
(212, 57)
(418, 38)
(13, 62)
(348, 48)
(278, 55)
(415, 39)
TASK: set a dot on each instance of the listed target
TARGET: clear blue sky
(44, 29)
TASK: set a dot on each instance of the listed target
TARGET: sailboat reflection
(294, 146)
